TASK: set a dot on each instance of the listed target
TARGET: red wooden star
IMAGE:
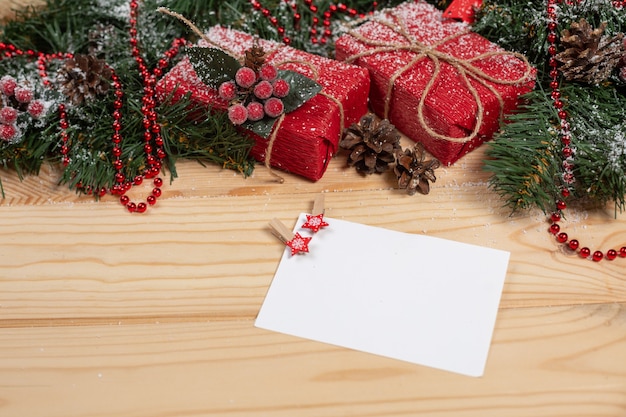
(315, 223)
(299, 244)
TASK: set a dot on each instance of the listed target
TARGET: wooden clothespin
(297, 243)
(315, 221)
(318, 205)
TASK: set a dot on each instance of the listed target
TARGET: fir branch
(515, 26)
(203, 136)
(521, 157)
(525, 158)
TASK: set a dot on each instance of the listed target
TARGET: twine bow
(464, 67)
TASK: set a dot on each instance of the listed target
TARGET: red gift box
(434, 79)
(307, 138)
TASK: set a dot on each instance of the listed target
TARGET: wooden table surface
(103, 313)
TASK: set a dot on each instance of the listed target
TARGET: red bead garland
(153, 141)
(567, 177)
(42, 65)
(318, 35)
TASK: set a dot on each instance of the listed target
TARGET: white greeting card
(420, 299)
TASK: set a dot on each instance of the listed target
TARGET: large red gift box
(434, 79)
(308, 137)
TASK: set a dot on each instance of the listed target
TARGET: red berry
(263, 90)
(237, 114)
(268, 72)
(227, 90)
(8, 132)
(274, 107)
(23, 94)
(36, 109)
(8, 115)
(7, 85)
(281, 88)
(245, 77)
(255, 111)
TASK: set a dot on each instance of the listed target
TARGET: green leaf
(212, 65)
(301, 89)
(261, 127)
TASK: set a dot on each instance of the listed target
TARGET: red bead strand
(567, 177)
(317, 34)
(153, 141)
(153, 146)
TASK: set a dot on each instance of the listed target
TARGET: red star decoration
(299, 244)
(315, 223)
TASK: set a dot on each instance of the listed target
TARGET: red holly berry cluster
(16, 99)
(254, 94)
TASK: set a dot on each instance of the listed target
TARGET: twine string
(464, 67)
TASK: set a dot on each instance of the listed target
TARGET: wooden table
(103, 313)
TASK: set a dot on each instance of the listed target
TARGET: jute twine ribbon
(464, 67)
(279, 122)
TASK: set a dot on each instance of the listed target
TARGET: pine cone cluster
(414, 171)
(589, 56)
(372, 144)
(84, 77)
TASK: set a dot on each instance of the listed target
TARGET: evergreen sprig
(525, 158)
(531, 140)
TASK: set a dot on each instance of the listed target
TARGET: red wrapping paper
(401, 48)
(309, 136)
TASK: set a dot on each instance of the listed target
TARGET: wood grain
(8, 7)
(559, 361)
(214, 255)
(103, 313)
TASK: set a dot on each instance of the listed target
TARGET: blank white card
(419, 299)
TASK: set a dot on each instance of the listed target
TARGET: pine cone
(83, 78)
(372, 144)
(414, 171)
(588, 56)
(255, 58)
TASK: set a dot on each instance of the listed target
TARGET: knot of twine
(464, 67)
(279, 122)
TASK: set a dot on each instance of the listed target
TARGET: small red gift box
(434, 79)
(307, 137)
